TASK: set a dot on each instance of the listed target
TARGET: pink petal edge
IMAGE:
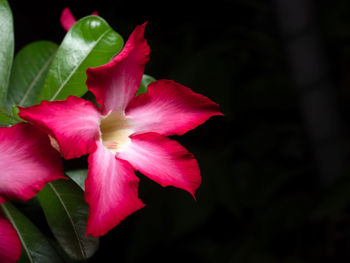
(10, 245)
(111, 190)
(67, 19)
(169, 108)
(116, 83)
(27, 162)
(73, 123)
(163, 160)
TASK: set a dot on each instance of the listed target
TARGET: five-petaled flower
(126, 133)
(27, 163)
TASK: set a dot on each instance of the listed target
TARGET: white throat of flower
(115, 131)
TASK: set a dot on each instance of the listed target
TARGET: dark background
(275, 174)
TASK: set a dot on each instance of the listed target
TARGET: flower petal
(10, 245)
(67, 19)
(169, 108)
(73, 123)
(27, 162)
(116, 83)
(163, 160)
(111, 190)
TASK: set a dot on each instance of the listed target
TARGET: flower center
(115, 131)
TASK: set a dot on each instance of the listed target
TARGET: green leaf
(28, 73)
(146, 80)
(6, 48)
(66, 213)
(7, 119)
(91, 42)
(78, 176)
(35, 247)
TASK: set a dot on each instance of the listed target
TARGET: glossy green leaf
(91, 42)
(6, 48)
(146, 80)
(28, 73)
(66, 213)
(6, 118)
(78, 176)
(35, 247)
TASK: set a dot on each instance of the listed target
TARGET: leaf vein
(70, 219)
(77, 66)
(18, 232)
(35, 80)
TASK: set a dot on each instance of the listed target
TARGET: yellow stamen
(115, 131)
(54, 144)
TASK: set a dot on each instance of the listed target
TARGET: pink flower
(127, 133)
(67, 19)
(27, 163)
(10, 245)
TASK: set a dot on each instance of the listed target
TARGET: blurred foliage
(261, 199)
